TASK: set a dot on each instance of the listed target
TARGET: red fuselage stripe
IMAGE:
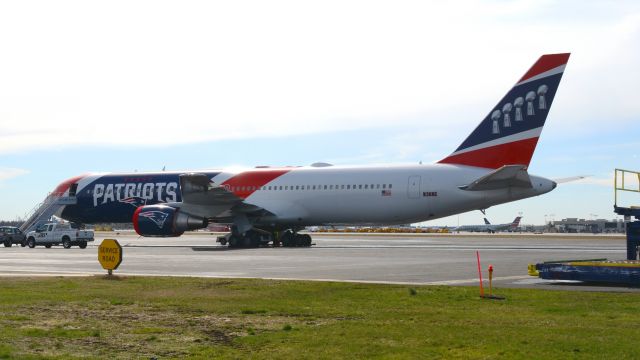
(494, 157)
(245, 183)
(65, 185)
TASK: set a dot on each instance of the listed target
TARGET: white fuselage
(379, 194)
(302, 196)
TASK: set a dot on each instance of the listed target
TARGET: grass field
(139, 317)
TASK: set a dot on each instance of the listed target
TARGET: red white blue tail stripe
(508, 135)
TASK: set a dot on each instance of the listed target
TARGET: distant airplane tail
(515, 223)
(486, 222)
(508, 135)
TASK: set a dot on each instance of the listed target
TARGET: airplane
(491, 228)
(272, 204)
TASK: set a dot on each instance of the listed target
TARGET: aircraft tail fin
(516, 223)
(486, 222)
(508, 135)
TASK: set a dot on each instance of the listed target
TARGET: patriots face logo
(134, 201)
(158, 217)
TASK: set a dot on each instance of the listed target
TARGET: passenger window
(359, 186)
(341, 187)
(384, 186)
(348, 187)
(325, 187)
(366, 186)
(389, 186)
(330, 187)
(286, 187)
(377, 186)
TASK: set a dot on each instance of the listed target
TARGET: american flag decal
(386, 192)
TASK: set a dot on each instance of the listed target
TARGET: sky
(89, 86)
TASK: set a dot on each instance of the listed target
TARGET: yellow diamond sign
(110, 254)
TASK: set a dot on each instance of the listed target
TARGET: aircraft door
(413, 187)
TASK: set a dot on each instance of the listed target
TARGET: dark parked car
(10, 235)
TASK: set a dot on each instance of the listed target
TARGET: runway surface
(401, 259)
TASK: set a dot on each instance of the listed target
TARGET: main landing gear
(255, 238)
(291, 239)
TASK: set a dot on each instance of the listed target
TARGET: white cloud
(8, 173)
(157, 73)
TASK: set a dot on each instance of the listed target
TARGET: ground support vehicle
(10, 235)
(55, 234)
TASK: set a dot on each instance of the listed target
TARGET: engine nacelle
(165, 221)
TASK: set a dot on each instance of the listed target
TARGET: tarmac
(411, 259)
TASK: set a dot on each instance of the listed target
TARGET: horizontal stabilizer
(506, 176)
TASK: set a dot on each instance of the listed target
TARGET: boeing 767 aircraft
(267, 204)
(491, 228)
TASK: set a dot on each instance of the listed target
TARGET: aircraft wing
(506, 176)
(200, 196)
(197, 189)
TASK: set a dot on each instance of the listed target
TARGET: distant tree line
(125, 226)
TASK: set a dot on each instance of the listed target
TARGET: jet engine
(165, 221)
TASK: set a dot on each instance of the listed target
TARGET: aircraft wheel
(254, 240)
(233, 241)
(306, 240)
(288, 239)
(245, 241)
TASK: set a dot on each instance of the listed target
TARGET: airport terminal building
(575, 225)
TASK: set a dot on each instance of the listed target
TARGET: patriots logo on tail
(158, 217)
(134, 201)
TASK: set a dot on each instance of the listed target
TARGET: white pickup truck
(56, 234)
